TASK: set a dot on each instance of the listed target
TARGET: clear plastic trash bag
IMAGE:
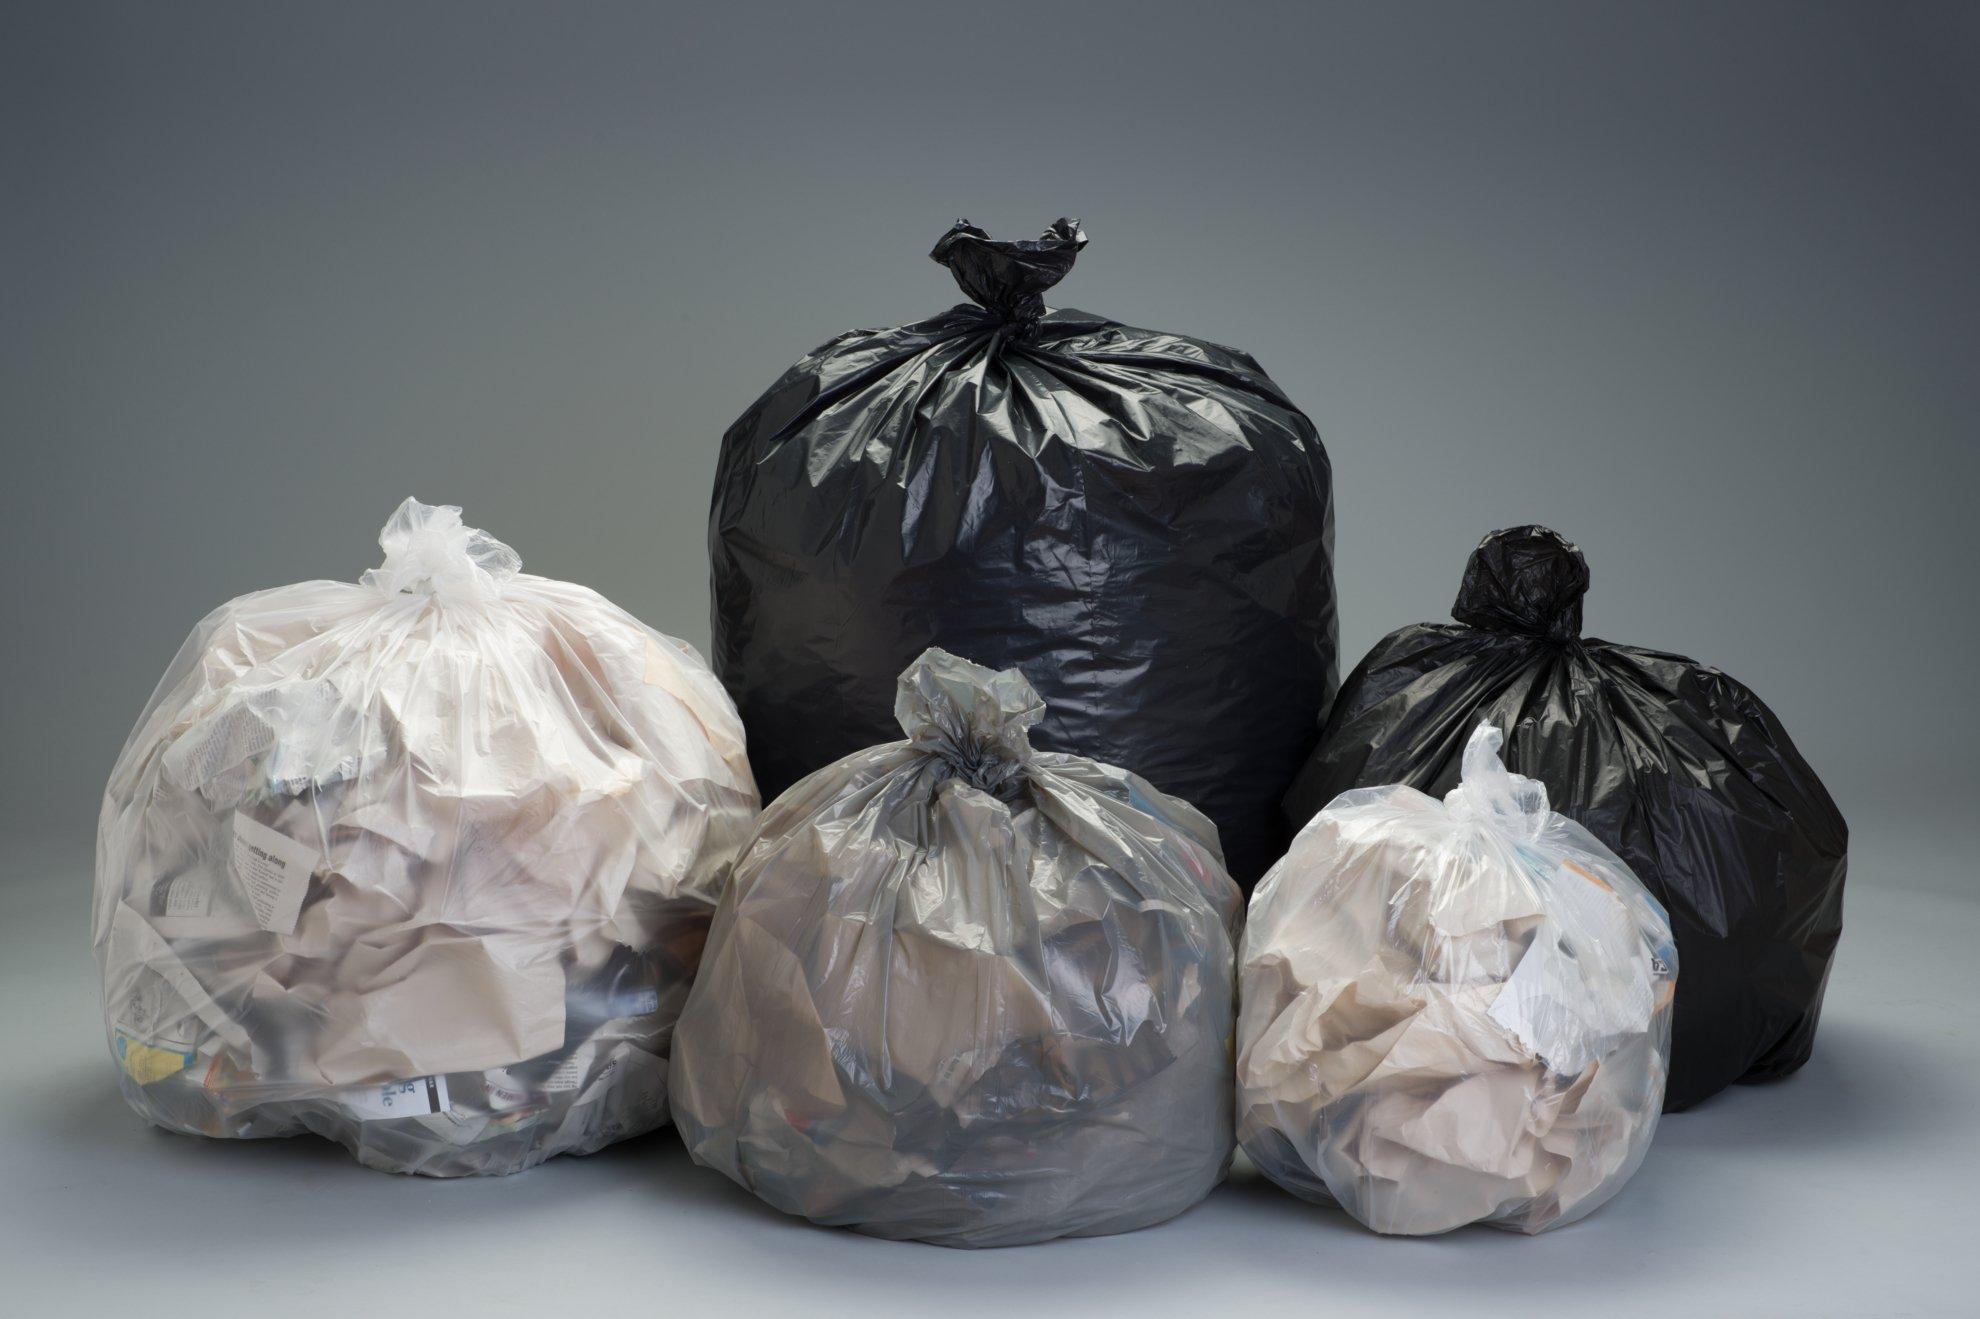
(965, 992)
(423, 864)
(1454, 1012)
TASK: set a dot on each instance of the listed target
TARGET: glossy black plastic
(1141, 522)
(1685, 773)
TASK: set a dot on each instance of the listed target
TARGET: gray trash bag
(966, 992)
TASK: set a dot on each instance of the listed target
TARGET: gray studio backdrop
(1699, 285)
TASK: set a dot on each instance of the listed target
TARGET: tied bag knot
(1009, 279)
(430, 551)
(975, 720)
(1490, 794)
(1527, 580)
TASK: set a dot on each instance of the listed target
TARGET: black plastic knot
(1009, 279)
(1527, 580)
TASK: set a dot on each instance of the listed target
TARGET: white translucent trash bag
(965, 992)
(1453, 1012)
(423, 864)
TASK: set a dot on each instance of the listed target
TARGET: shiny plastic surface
(1141, 523)
(965, 992)
(1454, 1012)
(422, 864)
(1684, 772)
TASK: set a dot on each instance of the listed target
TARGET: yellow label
(146, 1064)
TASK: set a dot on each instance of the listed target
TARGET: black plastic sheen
(1141, 522)
(1685, 773)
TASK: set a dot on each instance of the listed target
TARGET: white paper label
(1593, 916)
(218, 746)
(190, 894)
(196, 904)
(316, 734)
(571, 1072)
(505, 1092)
(422, 1096)
(133, 940)
(1584, 981)
(155, 1014)
(273, 870)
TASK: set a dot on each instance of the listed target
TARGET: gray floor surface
(1851, 1188)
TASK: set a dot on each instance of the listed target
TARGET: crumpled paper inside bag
(422, 864)
(1453, 1012)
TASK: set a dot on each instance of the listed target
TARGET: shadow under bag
(1140, 522)
(1685, 773)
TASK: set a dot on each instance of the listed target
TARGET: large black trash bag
(1140, 522)
(1685, 773)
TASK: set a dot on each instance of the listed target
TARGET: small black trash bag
(1685, 773)
(1142, 523)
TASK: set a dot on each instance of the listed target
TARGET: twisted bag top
(421, 863)
(965, 991)
(1140, 522)
(1684, 772)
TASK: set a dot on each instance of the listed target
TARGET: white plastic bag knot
(430, 551)
(1491, 794)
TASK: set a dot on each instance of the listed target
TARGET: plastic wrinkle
(1139, 522)
(1453, 1012)
(937, 1012)
(1683, 772)
(422, 864)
